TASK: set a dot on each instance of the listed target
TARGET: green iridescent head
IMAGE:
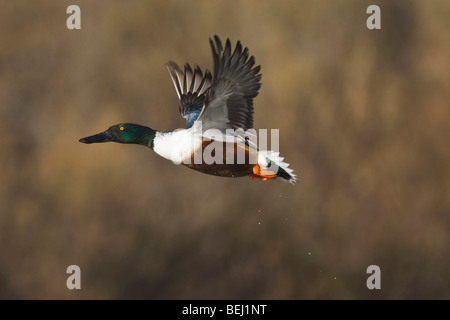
(124, 133)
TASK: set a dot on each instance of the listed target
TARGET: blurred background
(364, 120)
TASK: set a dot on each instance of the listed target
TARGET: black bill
(100, 137)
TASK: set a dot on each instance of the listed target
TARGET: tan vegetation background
(364, 120)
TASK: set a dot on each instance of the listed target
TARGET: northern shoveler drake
(218, 110)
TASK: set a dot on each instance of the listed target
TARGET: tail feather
(271, 161)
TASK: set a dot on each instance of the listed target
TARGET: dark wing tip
(236, 72)
(172, 67)
(218, 43)
(226, 62)
(175, 74)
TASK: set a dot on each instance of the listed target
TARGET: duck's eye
(121, 128)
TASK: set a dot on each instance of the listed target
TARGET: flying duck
(219, 138)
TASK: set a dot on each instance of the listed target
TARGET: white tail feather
(271, 160)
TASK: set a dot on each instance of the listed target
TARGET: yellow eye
(121, 128)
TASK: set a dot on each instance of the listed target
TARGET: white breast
(177, 145)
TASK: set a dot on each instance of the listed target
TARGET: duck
(219, 138)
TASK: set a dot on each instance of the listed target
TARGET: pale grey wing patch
(215, 112)
(191, 86)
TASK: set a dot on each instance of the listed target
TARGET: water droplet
(259, 222)
(259, 210)
(309, 253)
(334, 278)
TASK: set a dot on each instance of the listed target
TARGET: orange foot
(262, 175)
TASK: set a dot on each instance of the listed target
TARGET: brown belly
(235, 160)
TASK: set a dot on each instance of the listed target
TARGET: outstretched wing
(191, 87)
(229, 101)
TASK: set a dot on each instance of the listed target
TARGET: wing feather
(190, 86)
(229, 100)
